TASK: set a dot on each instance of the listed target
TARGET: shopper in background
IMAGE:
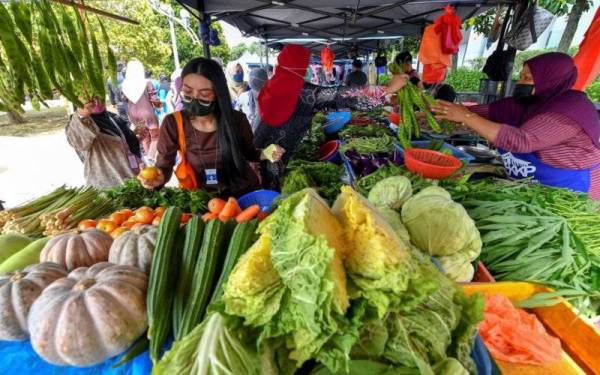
(174, 96)
(404, 59)
(109, 150)
(248, 101)
(235, 76)
(114, 91)
(141, 101)
(357, 78)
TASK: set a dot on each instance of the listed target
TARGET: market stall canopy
(345, 20)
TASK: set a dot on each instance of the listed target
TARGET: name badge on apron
(211, 177)
(133, 162)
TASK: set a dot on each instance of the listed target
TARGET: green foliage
(465, 80)
(238, 51)
(593, 91)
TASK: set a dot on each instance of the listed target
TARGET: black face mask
(523, 93)
(197, 107)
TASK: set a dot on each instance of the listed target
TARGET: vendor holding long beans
(546, 131)
(214, 142)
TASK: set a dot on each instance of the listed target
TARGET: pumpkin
(89, 316)
(78, 249)
(18, 291)
(135, 247)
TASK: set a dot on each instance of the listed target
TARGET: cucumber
(204, 275)
(10, 244)
(25, 257)
(162, 281)
(194, 230)
(243, 237)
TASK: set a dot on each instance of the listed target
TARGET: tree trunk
(15, 117)
(572, 22)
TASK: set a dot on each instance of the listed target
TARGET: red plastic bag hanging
(327, 57)
(587, 59)
(448, 25)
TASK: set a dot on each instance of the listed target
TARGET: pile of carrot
(513, 335)
(230, 209)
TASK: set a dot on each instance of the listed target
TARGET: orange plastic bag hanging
(430, 51)
(327, 58)
(587, 59)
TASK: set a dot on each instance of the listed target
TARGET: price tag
(211, 177)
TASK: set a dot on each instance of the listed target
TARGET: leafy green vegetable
(133, 195)
(308, 149)
(371, 130)
(211, 348)
(440, 226)
(391, 192)
(325, 177)
(366, 183)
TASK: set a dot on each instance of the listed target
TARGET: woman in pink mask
(109, 150)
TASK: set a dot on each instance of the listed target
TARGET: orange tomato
(86, 224)
(149, 173)
(127, 213)
(216, 205)
(118, 218)
(159, 211)
(185, 218)
(157, 220)
(119, 231)
(144, 215)
(107, 225)
(128, 224)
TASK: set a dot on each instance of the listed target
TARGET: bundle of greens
(309, 146)
(366, 183)
(324, 176)
(133, 195)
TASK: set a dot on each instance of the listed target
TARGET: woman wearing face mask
(218, 140)
(545, 131)
(248, 101)
(237, 85)
(108, 148)
(404, 59)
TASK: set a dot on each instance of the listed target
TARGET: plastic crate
(463, 156)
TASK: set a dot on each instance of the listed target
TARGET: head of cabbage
(438, 225)
(391, 192)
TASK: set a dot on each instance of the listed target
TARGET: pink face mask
(98, 108)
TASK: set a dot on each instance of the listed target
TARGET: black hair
(357, 64)
(403, 58)
(446, 92)
(233, 162)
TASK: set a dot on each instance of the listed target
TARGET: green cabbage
(458, 266)
(394, 220)
(391, 192)
(438, 225)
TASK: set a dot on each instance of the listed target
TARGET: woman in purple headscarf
(546, 131)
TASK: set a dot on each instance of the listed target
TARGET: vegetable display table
(19, 358)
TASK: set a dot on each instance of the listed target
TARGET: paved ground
(32, 166)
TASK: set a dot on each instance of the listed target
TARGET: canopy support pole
(267, 54)
(203, 18)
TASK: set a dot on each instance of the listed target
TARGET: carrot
(248, 214)
(231, 210)
(216, 205)
(262, 215)
(209, 216)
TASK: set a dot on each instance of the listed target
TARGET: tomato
(185, 218)
(127, 213)
(107, 225)
(86, 224)
(157, 220)
(159, 211)
(149, 173)
(144, 215)
(128, 223)
(118, 218)
(119, 231)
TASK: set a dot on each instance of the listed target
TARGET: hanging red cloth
(327, 58)
(448, 26)
(587, 59)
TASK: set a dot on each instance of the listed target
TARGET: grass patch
(46, 120)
